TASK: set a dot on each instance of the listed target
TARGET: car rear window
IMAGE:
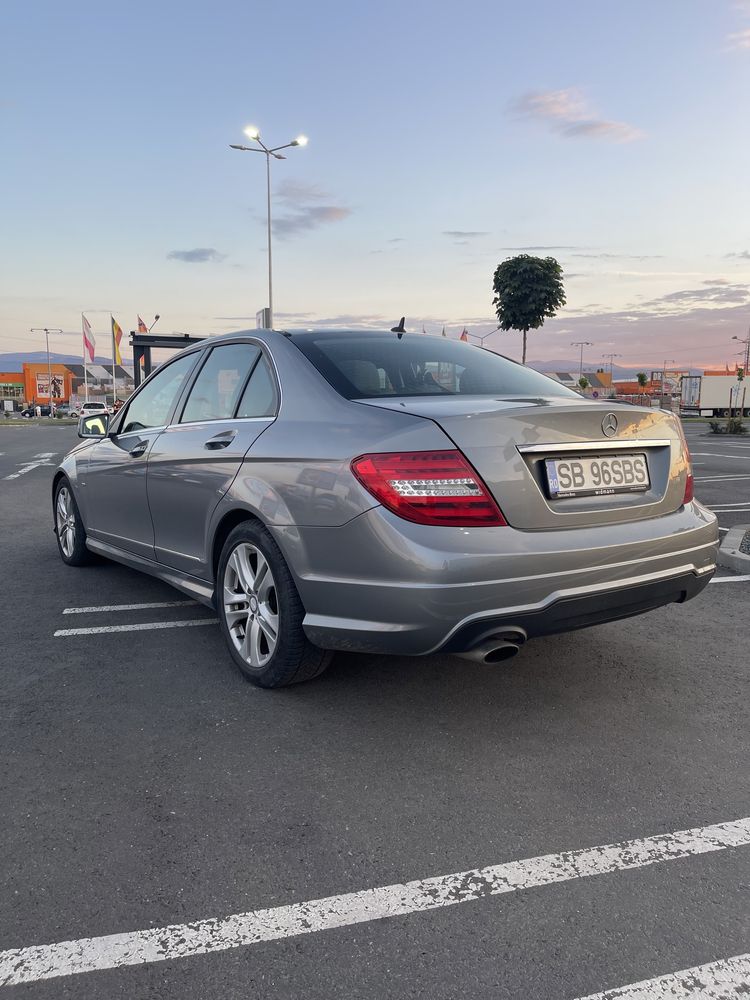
(373, 365)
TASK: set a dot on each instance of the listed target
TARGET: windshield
(379, 365)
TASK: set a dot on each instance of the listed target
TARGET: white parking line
(128, 607)
(720, 479)
(723, 980)
(712, 454)
(160, 944)
(46, 454)
(730, 579)
(142, 627)
(28, 466)
(730, 510)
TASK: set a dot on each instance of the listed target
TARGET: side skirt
(189, 585)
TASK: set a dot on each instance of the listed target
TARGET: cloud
(620, 256)
(303, 211)
(525, 249)
(709, 294)
(717, 281)
(397, 239)
(464, 234)
(739, 39)
(567, 113)
(200, 255)
(298, 193)
(742, 255)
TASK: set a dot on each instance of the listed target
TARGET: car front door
(115, 477)
(193, 462)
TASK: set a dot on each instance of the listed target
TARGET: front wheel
(69, 529)
(261, 612)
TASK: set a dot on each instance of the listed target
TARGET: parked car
(92, 407)
(31, 411)
(386, 493)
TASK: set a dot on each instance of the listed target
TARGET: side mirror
(95, 425)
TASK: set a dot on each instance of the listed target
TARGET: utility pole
(611, 374)
(581, 344)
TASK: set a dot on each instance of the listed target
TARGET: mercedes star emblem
(609, 425)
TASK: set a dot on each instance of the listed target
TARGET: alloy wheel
(251, 607)
(66, 521)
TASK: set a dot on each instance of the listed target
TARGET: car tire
(69, 529)
(260, 612)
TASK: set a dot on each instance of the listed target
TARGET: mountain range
(14, 362)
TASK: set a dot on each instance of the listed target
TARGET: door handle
(220, 440)
(139, 449)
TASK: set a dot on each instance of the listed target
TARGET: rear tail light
(689, 488)
(428, 487)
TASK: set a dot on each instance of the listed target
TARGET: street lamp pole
(581, 344)
(46, 330)
(746, 342)
(253, 133)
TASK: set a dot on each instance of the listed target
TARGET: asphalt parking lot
(145, 784)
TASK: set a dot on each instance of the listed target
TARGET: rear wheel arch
(223, 530)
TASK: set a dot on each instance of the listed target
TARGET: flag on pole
(464, 335)
(142, 328)
(116, 340)
(89, 341)
(443, 331)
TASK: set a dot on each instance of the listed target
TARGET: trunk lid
(508, 440)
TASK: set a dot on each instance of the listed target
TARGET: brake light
(428, 487)
(689, 488)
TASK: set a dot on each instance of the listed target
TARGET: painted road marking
(142, 627)
(42, 459)
(730, 579)
(128, 607)
(728, 510)
(712, 454)
(720, 479)
(161, 944)
(723, 980)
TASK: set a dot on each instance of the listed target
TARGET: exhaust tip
(500, 653)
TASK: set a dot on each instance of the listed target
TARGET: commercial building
(31, 385)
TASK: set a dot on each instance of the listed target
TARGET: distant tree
(642, 382)
(583, 382)
(527, 290)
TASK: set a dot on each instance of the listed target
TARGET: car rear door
(193, 462)
(114, 481)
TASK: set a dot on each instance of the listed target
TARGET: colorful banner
(89, 341)
(116, 340)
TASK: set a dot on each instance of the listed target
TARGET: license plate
(596, 476)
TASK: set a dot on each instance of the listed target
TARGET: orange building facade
(32, 384)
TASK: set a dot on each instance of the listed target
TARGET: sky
(443, 138)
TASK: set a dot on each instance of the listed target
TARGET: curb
(729, 551)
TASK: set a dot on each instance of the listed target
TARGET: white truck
(713, 395)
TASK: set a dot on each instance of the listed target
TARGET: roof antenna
(400, 328)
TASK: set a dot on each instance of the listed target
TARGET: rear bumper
(380, 584)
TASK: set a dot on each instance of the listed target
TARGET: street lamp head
(252, 132)
(301, 140)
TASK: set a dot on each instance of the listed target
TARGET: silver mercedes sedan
(384, 492)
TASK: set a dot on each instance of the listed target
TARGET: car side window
(260, 398)
(219, 383)
(151, 406)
